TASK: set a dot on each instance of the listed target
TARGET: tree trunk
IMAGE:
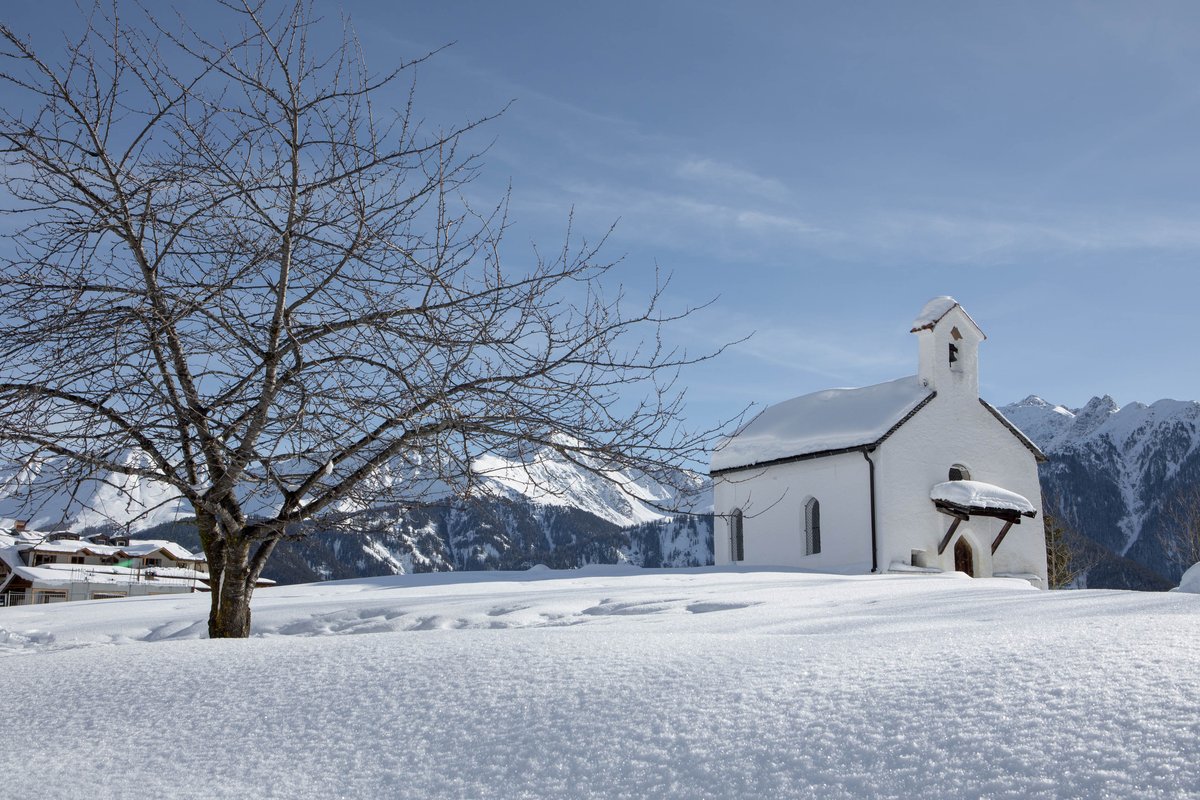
(229, 578)
(232, 587)
(234, 567)
(231, 617)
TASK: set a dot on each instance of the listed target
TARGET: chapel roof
(821, 423)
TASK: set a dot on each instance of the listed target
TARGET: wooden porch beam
(1003, 532)
(950, 535)
(952, 510)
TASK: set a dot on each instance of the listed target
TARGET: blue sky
(825, 168)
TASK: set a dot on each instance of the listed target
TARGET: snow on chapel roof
(937, 308)
(934, 310)
(833, 419)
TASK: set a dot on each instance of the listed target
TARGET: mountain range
(532, 508)
(1121, 479)
(1116, 480)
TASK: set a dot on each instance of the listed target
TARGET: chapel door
(964, 559)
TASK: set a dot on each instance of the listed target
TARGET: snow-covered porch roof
(983, 499)
(962, 499)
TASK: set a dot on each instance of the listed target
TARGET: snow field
(611, 682)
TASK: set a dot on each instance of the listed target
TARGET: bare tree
(1180, 537)
(1069, 554)
(1063, 561)
(239, 268)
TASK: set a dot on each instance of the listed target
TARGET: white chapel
(915, 475)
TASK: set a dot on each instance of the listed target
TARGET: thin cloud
(683, 221)
(958, 238)
(609, 167)
(729, 177)
(815, 355)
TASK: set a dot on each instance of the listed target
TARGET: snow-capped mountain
(540, 476)
(533, 507)
(544, 477)
(1115, 475)
(105, 500)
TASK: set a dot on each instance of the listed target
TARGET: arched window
(812, 527)
(959, 473)
(737, 541)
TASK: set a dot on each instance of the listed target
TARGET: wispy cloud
(683, 221)
(948, 237)
(669, 191)
(805, 355)
(728, 177)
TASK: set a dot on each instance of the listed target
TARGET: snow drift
(1191, 580)
(615, 683)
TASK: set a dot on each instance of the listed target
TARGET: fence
(31, 598)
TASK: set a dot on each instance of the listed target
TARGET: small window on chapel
(959, 473)
(812, 527)
(737, 540)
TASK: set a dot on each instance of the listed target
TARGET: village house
(917, 475)
(39, 567)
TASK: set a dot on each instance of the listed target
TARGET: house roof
(136, 547)
(822, 423)
(144, 547)
(11, 556)
(50, 575)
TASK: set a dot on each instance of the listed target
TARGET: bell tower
(948, 341)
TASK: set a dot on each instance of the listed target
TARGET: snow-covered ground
(611, 682)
